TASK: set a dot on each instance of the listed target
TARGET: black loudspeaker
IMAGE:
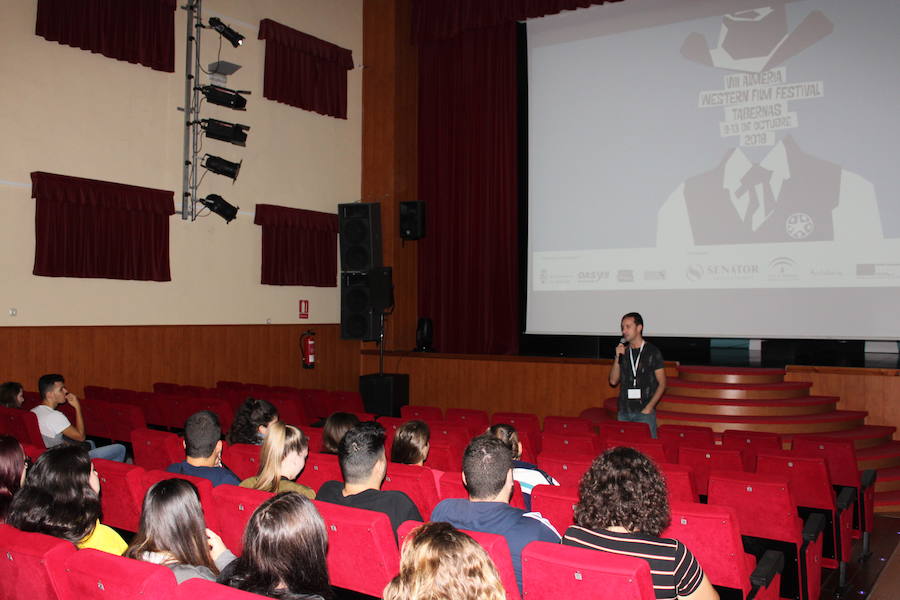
(364, 297)
(412, 220)
(360, 228)
(424, 335)
(384, 394)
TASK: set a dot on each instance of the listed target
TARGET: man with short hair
(363, 465)
(487, 475)
(642, 374)
(203, 450)
(56, 428)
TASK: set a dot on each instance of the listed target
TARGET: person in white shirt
(56, 428)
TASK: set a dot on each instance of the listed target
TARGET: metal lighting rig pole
(191, 108)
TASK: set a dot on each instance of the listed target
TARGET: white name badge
(634, 393)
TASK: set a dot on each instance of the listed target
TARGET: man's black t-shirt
(647, 359)
(396, 505)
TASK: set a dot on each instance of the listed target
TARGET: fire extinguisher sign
(304, 309)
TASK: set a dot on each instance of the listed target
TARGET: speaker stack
(366, 286)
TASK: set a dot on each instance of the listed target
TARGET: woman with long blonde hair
(282, 458)
(440, 562)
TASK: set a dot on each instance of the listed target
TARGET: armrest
(867, 478)
(813, 527)
(772, 562)
(846, 498)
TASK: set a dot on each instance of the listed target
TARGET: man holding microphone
(638, 365)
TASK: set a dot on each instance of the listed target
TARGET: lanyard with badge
(634, 393)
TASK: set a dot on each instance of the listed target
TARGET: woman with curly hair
(285, 544)
(173, 533)
(251, 422)
(440, 562)
(336, 425)
(622, 508)
(13, 463)
(61, 497)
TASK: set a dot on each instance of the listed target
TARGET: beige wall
(65, 110)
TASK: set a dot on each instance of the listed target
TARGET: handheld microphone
(623, 341)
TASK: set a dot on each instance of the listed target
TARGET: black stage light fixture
(222, 96)
(220, 166)
(234, 133)
(217, 204)
(226, 32)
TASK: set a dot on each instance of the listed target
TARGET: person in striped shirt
(622, 508)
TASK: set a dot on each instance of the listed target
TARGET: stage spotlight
(217, 204)
(226, 32)
(234, 133)
(220, 166)
(222, 96)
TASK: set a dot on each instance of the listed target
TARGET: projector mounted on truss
(215, 92)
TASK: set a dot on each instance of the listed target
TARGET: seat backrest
(416, 482)
(454, 434)
(139, 487)
(167, 410)
(230, 385)
(22, 425)
(314, 435)
(32, 451)
(421, 413)
(234, 506)
(444, 455)
(754, 441)
(316, 403)
(93, 574)
(290, 410)
(652, 449)
(97, 415)
(552, 571)
(120, 508)
(242, 459)
(344, 401)
(123, 418)
(556, 503)
(162, 387)
(839, 455)
(678, 436)
(96, 392)
(201, 589)
(156, 449)
(625, 431)
(713, 535)
(763, 503)
(554, 424)
(579, 443)
(319, 469)
(809, 477)
(705, 460)
(27, 561)
(568, 469)
(679, 482)
(476, 420)
(362, 550)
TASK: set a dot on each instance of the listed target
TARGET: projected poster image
(777, 181)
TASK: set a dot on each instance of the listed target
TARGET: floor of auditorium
(878, 578)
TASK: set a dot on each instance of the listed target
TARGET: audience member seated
(12, 394)
(487, 475)
(13, 464)
(282, 458)
(56, 428)
(527, 474)
(439, 561)
(363, 465)
(622, 508)
(173, 533)
(61, 497)
(334, 429)
(411, 443)
(285, 543)
(252, 421)
(203, 450)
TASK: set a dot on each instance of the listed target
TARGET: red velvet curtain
(136, 31)
(304, 71)
(89, 228)
(468, 262)
(299, 247)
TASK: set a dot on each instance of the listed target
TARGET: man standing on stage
(640, 369)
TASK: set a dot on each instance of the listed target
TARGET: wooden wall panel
(874, 390)
(136, 357)
(545, 386)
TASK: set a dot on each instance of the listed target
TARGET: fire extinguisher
(308, 349)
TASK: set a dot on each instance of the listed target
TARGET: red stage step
(739, 375)
(738, 391)
(888, 480)
(806, 405)
(879, 457)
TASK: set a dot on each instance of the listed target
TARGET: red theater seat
(139, 487)
(156, 449)
(679, 482)
(421, 413)
(476, 420)
(201, 589)
(625, 431)
(674, 437)
(342, 401)
(556, 503)
(22, 425)
(566, 469)
(416, 482)
(96, 575)
(242, 459)
(117, 480)
(706, 460)
(362, 550)
(554, 424)
(319, 469)
(578, 443)
(234, 506)
(27, 562)
(751, 443)
(553, 571)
